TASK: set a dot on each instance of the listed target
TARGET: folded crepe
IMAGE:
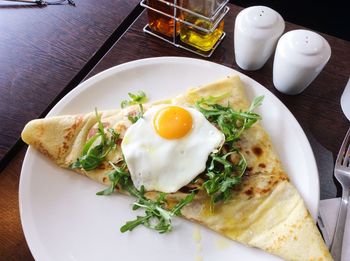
(264, 211)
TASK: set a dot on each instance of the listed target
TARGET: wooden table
(317, 109)
(46, 51)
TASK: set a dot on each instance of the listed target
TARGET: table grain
(43, 51)
(317, 109)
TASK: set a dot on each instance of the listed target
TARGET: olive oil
(189, 21)
(197, 38)
(159, 22)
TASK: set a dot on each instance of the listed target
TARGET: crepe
(265, 210)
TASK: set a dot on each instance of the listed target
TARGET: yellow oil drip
(222, 243)
(197, 235)
(198, 238)
(199, 258)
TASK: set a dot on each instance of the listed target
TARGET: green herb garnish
(96, 148)
(156, 216)
(119, 175)
(232, 123)
(138, 98)
(222, 173)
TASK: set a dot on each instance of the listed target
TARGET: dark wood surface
(43, 50)
(317, 109)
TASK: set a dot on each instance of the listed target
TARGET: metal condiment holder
(216, 18)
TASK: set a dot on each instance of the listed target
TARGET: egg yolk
(172, 122)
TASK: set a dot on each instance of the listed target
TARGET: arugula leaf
(138, 98)
(256, 103)
(134, 119)
(156, 216)
(176, 210)
(130, 225)
(114, 135)
(222, 174)
(92, 156)
(119, 175)
(232, 123)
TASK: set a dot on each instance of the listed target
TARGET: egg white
(166, 165)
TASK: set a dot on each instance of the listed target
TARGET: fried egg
(168, 147)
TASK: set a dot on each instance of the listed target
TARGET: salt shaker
(257, 30)
(300, 56)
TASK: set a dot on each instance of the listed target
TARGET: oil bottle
(201, 39)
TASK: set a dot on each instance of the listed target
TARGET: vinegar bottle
(161, 23)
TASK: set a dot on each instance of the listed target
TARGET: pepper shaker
(257, 30)
(300, 56)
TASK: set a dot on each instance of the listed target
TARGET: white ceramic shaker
(345, 100)
(257, 30)
(300, 56)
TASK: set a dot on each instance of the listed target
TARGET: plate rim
(90, 82)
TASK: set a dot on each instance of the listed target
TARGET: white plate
(62, 217)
